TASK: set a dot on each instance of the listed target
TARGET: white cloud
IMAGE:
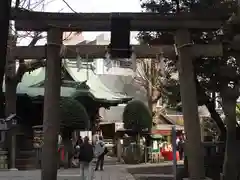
(93, 6)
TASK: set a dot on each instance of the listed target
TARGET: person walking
(77, 146)
(100, 152)
(79, 141)
(180, 148)
(75, 158)
(85, 158)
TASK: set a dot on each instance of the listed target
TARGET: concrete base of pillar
(206, 178)
(13, 169)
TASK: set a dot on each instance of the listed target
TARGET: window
(116, 63)
(125, 64)
(218, 101)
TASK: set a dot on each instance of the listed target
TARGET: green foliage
(171, 92)
(238, 111)
(73, 114)
(213, 74)
(209, 126)
(164, 86)
(137, 116)
(165, 7)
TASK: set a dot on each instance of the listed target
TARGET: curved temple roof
(97, 88)
(31, 84)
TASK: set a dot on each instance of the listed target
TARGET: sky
(93, 6)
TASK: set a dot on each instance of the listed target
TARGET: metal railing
(146, 153)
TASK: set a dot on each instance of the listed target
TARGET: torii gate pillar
(193, 146)
(51, 119)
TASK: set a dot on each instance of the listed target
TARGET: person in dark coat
(77, 147)
(79, 141)
(85, 158)
(180, 148)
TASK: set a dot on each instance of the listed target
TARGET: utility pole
(51, 119)
(5, 8)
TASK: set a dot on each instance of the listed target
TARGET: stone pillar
(194, 149)
(51, 119)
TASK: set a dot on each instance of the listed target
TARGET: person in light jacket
(100, 151)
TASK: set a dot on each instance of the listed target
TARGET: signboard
(38, 136)
(86, 133)
(162, 132)
(118, 125)
(125, 64)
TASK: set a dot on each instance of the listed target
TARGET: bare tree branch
(29, 66)
(17, 3)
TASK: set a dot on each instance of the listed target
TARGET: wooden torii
(56, 23)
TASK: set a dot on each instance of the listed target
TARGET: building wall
(106, 66)
(72, 38)
(116, 75)
(124, 85)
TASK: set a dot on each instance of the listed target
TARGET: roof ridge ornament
(108, 59)
(79, 60)
(79, 63)
(134, 60)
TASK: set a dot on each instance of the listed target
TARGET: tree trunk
(194, 148)
(205, 99)
(10, 108)
(51, 122)
(149, 85)
(5, 6)
(149, 97)
(11, 98)
(230, 170)
(10, 84)
(152, 95)
(218, 120)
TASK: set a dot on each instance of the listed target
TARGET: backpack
(99, 148)
(86, 153)
(180, 145)
(105, 150)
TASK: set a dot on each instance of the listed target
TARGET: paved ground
(112, 171)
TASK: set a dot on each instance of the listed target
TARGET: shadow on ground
(163, 171)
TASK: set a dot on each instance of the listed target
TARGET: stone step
(26, 160)
(26, 167)
(26, 153)
(153, 176)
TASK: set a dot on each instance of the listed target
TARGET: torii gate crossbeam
(99, 51)
(40, 21)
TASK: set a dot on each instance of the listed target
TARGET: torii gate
(56, 23)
